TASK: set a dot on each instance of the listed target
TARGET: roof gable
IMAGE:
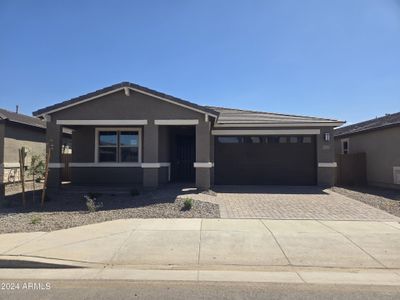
(124, 86)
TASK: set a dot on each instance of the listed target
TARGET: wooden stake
(46, 175)
(22, 154)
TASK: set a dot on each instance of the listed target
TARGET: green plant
(36, 220)
(134, 192)
(91, 204)
(187, 203)
(94, 195)
(36, 169)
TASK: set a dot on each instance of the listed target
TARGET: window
(229, 139)
(272, 139)
(118, 145)
(307, 139)
(293, 139)
(283, 140)
(345, 146)
(252, 140)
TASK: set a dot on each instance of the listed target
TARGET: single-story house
(129, 134)
(16, 131)
(379, 139)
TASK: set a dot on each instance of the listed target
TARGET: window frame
(342, 141)
(118, 130)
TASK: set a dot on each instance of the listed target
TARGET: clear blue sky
(337, 59)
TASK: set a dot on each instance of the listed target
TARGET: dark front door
(183, 159)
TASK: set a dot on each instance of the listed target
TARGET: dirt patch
(384, 199)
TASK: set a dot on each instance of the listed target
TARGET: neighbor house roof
(230, 117)
(21, 119)
(121, 86)
(388, 120)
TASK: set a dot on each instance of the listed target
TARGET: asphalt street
(191, 290)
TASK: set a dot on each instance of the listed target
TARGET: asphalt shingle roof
(377, 123)
(21, 119)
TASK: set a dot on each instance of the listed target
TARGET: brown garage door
(280, 160)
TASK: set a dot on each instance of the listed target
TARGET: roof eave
(296, 124)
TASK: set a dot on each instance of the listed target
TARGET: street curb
(361, 277)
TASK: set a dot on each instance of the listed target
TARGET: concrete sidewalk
(215, 244)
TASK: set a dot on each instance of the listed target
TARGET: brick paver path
(290, 203)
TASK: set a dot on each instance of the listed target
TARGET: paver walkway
(273, 202)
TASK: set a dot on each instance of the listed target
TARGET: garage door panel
(265, 163)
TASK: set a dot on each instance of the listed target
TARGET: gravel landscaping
(66, 210)
(384, 199)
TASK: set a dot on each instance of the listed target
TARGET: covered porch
(144, 153)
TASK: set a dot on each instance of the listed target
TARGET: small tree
(36, 170)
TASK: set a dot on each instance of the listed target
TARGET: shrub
(91, 204)
(36, 220)
(134, 192)
(94, 195)
(187, 204)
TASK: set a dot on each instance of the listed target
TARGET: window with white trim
(118, 145)
(345, 146)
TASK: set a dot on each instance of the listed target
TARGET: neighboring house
(16, 131)
(129, 134)
(379, 139)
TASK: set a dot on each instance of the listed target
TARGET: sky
(335, 59)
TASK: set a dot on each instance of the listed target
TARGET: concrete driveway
(216, 243)
(286, 202)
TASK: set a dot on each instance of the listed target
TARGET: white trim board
(118, 165)
(104, 165)
(306, 124)
(266, 132)
(327, 164)
(125, 91)
(203, 164)
(177, 122)
(56, 165)
(102, 122)
(8, 165)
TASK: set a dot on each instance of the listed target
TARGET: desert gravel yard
(384, 199)
(69, 210)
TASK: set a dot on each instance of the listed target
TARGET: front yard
(70, 209)
(384, 199)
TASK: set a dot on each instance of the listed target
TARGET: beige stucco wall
(382, 148)
(15, 137)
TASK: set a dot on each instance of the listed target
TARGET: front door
(182, 169)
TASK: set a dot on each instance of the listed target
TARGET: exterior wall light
(327, 137)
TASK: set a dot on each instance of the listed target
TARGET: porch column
(54, 141)
(326, 158)
(203, 162)
(150, 156)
